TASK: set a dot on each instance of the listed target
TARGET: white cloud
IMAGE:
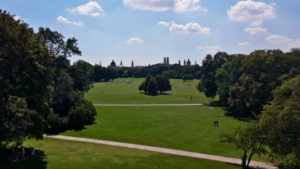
(91, 8)
(251, 11)
(163, 23)
(16, 17)
(209, 49)
(179, 6)
(242, 44)
(256, 30)
(283, 41)
(134, 40)
(185, 29)
(64, 20)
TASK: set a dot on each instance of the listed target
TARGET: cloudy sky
(148, 30)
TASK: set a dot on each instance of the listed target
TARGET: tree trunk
(244, 160)
(249, 159)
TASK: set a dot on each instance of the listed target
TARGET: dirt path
(254, 164)
(145, 105)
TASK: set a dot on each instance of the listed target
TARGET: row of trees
(265, 86)
(39, 89)
(171, 71)
(153, 85)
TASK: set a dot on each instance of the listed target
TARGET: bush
(187, 77)
(152, 87)
(56, 123)
(81, 115)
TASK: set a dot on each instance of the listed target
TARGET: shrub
(187, 77)
(84, 113)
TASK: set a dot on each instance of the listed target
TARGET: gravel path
(145, 105)
(254, 164)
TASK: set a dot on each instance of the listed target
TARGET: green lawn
(126, 91)
(57, 154)
(185, 128)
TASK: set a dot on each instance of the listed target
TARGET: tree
(81, 72)
(26, 80)
(227, 75)
(210, 65)
(163, 83)
(260, 73)
(281, 121)
(250, 140)
(152, 87)
(142, 86)
(18, 122)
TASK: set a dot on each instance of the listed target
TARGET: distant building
(179, 62)
(112, 64)
(184, 63)
(166, 61)
(121, 63)
(188, 63)
(132, 64)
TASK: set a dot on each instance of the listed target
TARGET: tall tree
(227, 75)
(152, 87)
(26, 79)
(260, 75)
(210, 65)
(281, 121)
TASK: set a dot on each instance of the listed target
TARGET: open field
(58, 154)
(184, 128)
(125, 91)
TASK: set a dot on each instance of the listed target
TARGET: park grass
(125, 91)
(59, 154)
(186, 128)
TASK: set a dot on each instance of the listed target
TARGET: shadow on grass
(230, 112)
(35, 162)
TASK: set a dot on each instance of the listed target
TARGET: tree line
(40, 91)
(265, 86)
(175, 71)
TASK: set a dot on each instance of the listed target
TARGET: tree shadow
(237, 115)
(35, 162)
(231, 112)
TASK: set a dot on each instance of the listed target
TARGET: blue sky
(148, 30)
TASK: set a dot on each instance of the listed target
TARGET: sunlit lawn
(57, 154)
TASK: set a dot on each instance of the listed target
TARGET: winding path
(254, 164)
(145, 105)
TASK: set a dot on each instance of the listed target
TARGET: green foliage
(209, 67)
(281, 121)
(163, 83)
(226, 76)
(26, 80)
(81, 114)
(103, 74)
(187, 77)
(260, 75)
(142, 86)
(250, 140)
(152, 87)
(18, 122)
(81, 72)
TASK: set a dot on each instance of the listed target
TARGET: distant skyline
(146, 31)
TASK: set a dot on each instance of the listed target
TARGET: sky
(145, 31)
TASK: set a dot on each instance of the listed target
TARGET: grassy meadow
(58, 154)
(185, 128)
(125, 91)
